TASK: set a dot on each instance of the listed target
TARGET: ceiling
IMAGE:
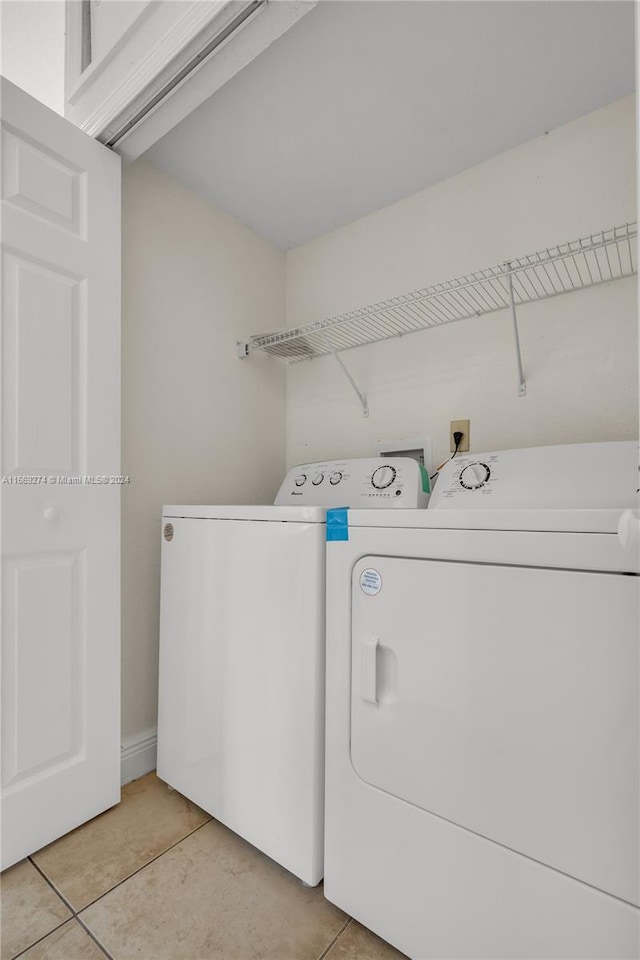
(364, 102)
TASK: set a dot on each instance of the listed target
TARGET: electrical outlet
(463, 426)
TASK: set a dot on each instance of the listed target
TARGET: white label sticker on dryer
(370, 582)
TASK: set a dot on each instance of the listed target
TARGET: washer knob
(474, 475)
(335, 477)
(317, 478)
(383, 477)
(300, 479)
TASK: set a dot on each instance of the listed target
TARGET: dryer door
(504, 699)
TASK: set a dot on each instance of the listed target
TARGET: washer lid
(250, 512)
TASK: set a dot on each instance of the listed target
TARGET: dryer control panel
(569, 476)
(363, 482)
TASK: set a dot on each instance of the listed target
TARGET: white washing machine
(483, 710)
(242, 647)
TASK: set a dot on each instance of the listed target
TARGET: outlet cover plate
(456, 425)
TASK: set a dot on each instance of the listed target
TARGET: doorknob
(50, 514)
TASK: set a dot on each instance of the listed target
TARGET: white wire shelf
(608, 255)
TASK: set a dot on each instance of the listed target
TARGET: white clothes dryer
(482, 710)
(241, 687)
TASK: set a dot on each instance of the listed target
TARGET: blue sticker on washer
(338, 523)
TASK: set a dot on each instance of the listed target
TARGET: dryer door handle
(369, 670)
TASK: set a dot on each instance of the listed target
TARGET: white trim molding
(136, 107)
(80, 82)
(147, 47)
(256, 35)
(138, 755)
(167, 61)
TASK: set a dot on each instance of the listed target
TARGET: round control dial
(317, 478)
(383, 477)
(335, 477)
(300, 479)
(474, 475)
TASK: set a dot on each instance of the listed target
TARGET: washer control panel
(361, 482)
(568, 476)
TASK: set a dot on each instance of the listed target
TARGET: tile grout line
(15, 956)
(76, 913)
(144, 865)
(120, 882)
(70, 907)
(332, 944)
(52, 885)
(74, 916)
(93, 937)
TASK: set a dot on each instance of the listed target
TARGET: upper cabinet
(129, 62)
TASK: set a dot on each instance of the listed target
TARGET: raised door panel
(111, 23)
(44, 369)
(505, 700)
(44, 601)
(36, 180)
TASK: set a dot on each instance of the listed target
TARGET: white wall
(199, 425)
(580, 350)
(32, 48)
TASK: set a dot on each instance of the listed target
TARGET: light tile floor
(156, 878)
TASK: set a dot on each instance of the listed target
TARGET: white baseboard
(138, 755)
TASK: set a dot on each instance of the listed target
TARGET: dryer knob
(317, 479)
(300, 479)
(474, 475)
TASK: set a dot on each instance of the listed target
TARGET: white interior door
(60, 436)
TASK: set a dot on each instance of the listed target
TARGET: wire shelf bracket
(601, 257)
(360, 396)
(522, 383)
